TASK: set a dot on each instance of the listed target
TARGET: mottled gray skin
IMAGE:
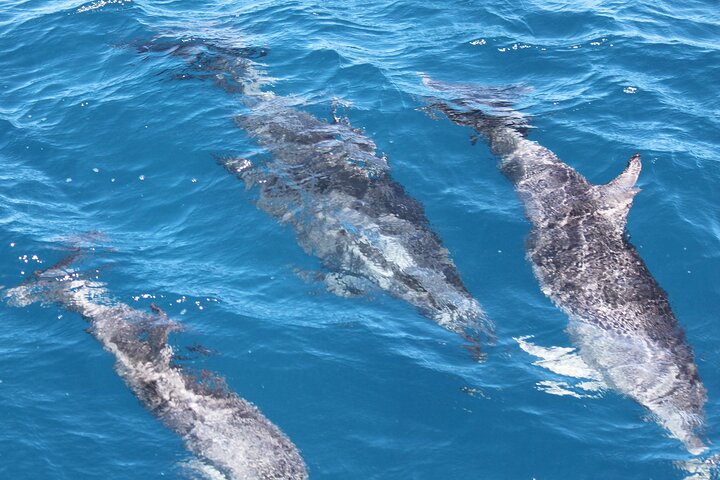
(620, 317)
(327, 182)
(228, 435)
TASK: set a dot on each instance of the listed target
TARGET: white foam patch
(566, 362)
(561, 360)
(100, 4)
(557, 388)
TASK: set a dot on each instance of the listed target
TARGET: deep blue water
(366, 388)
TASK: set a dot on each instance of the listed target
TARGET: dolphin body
(327, 182)
(620, 318)
(230, 437)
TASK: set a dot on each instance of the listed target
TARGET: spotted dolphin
(230, 437)
(326, 180)
(620, 318)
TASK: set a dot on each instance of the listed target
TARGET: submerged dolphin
(327, 181)
(230, 437)
(620, 318)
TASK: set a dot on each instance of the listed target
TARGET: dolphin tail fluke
(482, 107)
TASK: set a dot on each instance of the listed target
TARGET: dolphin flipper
(347, 285)
(241, 167)
(158, 328)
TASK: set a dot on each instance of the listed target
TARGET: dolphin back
(228, 435)
(327, 181)
(620, 317)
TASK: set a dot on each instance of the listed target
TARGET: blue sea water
(104, 146)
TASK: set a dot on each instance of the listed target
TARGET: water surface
(102, 146)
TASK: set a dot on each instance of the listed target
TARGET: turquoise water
(107, 148)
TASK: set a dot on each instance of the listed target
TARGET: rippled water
(106, 147)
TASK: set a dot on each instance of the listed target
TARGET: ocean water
(112, 149)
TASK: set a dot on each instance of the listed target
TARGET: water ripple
(105, 146)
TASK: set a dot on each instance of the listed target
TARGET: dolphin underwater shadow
(229, 436)
(619, 317)
(328, 183)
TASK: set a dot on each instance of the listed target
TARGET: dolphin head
(682, 424)
(457, 311)
(655, 369)
(680, 409)
(444, 299)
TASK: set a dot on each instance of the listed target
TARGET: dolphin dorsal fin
(618, 194)
(628, 178)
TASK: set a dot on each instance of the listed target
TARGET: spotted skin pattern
(620, 317)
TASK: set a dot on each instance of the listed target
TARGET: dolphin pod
(230, 437)
(620, 318)
(327, 181)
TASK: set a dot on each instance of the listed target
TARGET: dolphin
(326, 180)
(229, 436)
(619, 317)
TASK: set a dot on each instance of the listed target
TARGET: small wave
(100, 4)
